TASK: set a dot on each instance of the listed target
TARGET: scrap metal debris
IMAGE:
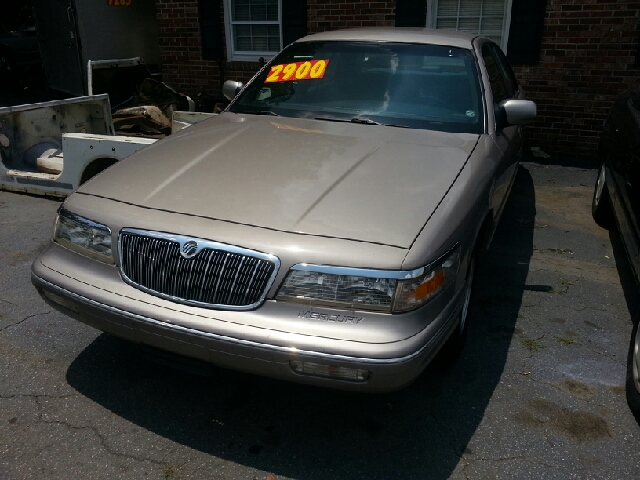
(147, 120)
(148, 113)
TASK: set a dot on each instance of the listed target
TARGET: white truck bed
(51, 148)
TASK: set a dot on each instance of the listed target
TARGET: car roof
(393, 34)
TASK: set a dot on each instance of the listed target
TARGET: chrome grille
(217, 276)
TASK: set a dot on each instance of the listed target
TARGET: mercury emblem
(189, 249)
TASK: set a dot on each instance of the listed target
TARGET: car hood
(361, 182)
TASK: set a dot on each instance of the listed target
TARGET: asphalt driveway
(538, 393)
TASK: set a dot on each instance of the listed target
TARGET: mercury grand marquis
(323, 229)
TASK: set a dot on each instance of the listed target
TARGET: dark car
(616, 201)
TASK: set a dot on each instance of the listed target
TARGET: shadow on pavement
(306, 432)
(585, 163)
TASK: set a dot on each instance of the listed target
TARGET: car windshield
(405, 85)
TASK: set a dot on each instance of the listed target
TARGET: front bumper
(256, 342)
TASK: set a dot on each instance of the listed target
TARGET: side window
(509, 77)
(496, 78)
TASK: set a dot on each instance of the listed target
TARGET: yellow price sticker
(311, 69)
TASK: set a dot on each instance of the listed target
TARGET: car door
(508, 138)
(623, 156)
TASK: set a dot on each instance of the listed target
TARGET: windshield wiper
(262, 112)
(364, 121)
(360, 120)
(368, 121)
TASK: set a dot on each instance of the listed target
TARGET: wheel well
(484, 235)
(95, 167)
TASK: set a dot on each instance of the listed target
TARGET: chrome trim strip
(202, 243)
(366, 272)
(380, 361)
(63, 212)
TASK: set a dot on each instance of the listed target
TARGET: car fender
(462, 212)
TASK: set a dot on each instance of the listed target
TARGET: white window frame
(247, 56)
(432, 9)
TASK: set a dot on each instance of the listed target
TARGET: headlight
(377, 290)
(327, 286)
(412, 293)
(83, 236)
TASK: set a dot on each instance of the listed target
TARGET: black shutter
(411, 13)
(525, 32)
(294, 20)
(210, 29)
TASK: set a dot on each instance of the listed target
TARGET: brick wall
(587, 59)
(180, 49)
(587, 56)
(325, 15)
(180, 45)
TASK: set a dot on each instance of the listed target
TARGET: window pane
(243, 43)
(274, 44)
(248, 36)
(485, 17)
(493, 7)
(258, 12)
(257, 38)
(260, 44)
(449, 23)
(510, 81)
(254, 10)
(272, 11)
(260, 29)
(242, 37)
(469, 25)
(447, 8)
(496, 79)
(241, 10)
(491, 24)
(470, 9)
(243, 30)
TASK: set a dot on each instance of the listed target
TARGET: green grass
(531, 344)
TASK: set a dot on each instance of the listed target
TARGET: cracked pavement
(537, 393)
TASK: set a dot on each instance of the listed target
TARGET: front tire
(453, 347)
(633, 373)
(601, 204)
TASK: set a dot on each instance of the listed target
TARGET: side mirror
(231, 88)
(518, 112)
